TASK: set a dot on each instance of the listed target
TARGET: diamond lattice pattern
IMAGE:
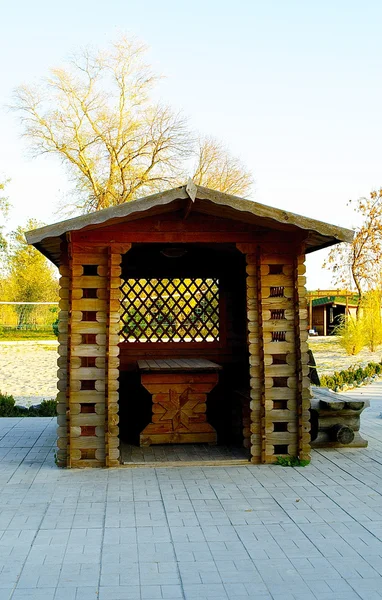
(170, 310)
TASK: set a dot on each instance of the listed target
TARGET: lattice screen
(170, 310)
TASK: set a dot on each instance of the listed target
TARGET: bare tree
(97, 117)
(361, 261)
(216, 168)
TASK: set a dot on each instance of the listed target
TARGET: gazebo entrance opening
(183, 351)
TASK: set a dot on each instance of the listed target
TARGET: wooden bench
(179, 389)
(335, 419)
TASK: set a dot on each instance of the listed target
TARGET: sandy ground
(28, 370)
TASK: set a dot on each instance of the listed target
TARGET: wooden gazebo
(183, 319)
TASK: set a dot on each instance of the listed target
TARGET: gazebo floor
(184, 454)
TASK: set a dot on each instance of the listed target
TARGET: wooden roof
(198, 199)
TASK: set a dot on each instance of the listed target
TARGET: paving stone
(191, 532)
(204, 591)
(33, 594)
(199, 572)
(162, 592)
(192, 551)
(128, 592)
(161, 572)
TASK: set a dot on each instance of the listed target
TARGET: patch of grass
(291, 461)
(328, 344)
(14, 335)
(53, 347)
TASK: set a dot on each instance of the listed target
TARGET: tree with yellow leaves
(4, 208)
(27, 275)
(97, 116)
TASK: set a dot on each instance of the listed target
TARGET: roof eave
(322, 235)
(102, 217)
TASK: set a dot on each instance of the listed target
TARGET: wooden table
(179, 389)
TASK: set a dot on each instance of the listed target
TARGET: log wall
(88, 351)
(302, 357)
(277, 420)
(63, 360)
(278, 359)
(88, 356)
(253, 435)
(113, 311)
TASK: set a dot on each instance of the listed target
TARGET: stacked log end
(88, 357)
(280, 382)
(62, 363)
(277, 342)
(88, 351)
(112, 356)
(301, 320)
(253, 434)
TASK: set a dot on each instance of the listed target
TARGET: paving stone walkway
(216, 533)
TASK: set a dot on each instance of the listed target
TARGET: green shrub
(371, 318)
(48, 408)
(351, 375)
(352, 335)
(55, 327)
(8, 408)
(7, 405)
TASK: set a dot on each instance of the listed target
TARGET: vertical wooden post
(69, 353)
(63, 438)
(86, 366)
(278, 306)
(310, 312)
(325, 319)
(277, 334)
(108, 352)
(302, 359)
(254, 339)
(113, 312)
(88, 374)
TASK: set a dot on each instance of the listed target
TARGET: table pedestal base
(179, 408)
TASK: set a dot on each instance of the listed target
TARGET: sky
(293, 87)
